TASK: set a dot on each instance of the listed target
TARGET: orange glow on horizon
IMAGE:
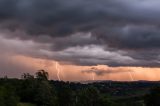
(74, 73)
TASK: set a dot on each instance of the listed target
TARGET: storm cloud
(102, 72)
(83, 32)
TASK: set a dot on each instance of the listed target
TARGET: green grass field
(26, 104)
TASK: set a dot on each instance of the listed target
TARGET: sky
(83, 39)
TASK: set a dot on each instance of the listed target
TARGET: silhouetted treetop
(42, 75)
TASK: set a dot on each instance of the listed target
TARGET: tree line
(38, 90)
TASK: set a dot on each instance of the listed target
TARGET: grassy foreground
(26, 104)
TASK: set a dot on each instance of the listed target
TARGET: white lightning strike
(93, 76)
(131, 76)
(58, 71)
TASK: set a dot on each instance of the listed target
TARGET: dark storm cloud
(79, 39)
(132, 37)
(126, 32)
(62, 18)
(51, 17)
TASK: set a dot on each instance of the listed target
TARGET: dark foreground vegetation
(39, 91)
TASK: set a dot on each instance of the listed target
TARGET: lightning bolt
(131, 76)
(93, 76)
(58, 71)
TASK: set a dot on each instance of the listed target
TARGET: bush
(8, 97)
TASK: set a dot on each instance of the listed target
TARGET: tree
(89, 97)
(27, 76)
(2, 101)
(38, 90)
(65, 96)
(8, 96)
(44, 95)
(153, 99)
(42, 75)
(106, 101)
(27, 89)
